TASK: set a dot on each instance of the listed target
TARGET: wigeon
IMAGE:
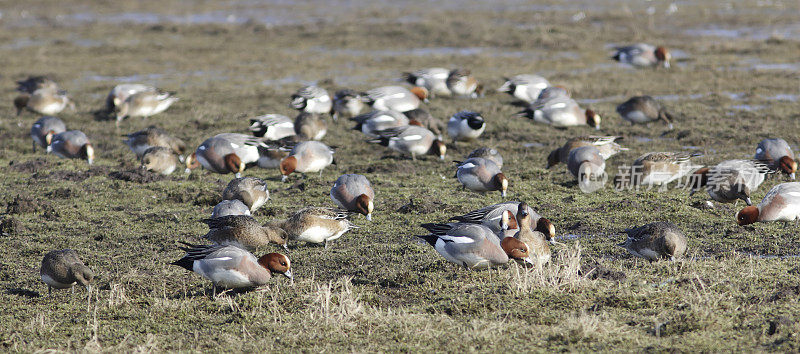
(730, 180)
(462, 84)
(144, 104)
(47, 101)
(536, 241)
(230, 207)
(354, 193)
(481, 175)
(63, 269)
(432, 79)
(243, 231)
(782, 203)
(161, 160)
(347, 103)
(306, 157)
(644, 109)
(561, 112)
(373, 122)
(72, 144)
(656, 241)
(395, 98)
(643, 55)
(151, 136)
(777, 153)
(231, 267)
(121, 92)
(250, 190)
(489, 154)
(312, 99)
(586, 165)
(423, 118)
(472, 245)
(413, 140)
(490, 216)
(33, 83)
(465, 126)
(272, 126)
(43, 130)
(316, 225)
(310, 126)
(657, 168)
(605, 144)
(525, 87)
(225, 153)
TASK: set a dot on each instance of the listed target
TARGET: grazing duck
(782, 203)
(243, 231)
(465, 126)
(489, 154)
(250, 190)
(47, 101)
(462, 84)
(144, 104)
(656, 241)
(230, 207)
(152, 136)
(432, 79)
(525, 87)
(777, 153)
(491, 215)
(225, 153)
(63, 269)
(643, 55)
(312, 99)
(72, 144)
(413, 140)
(481, 175)
(395, 98)
(423, 118)
(561, 112)
(306, 157)
(657, 168)
(161, 160)
(44, 129)
(606, 145)
(121, 92)
(536, 241)
(347, 103)
(373, 122)
(316, 225)
(474, 246)
(644, 109)
(310, 126)
(272, 126)
(731, 180)
(354, 193)
(231, 267)
(587, 166)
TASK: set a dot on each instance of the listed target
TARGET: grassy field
(734, 82)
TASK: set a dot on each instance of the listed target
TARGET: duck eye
(283, 263)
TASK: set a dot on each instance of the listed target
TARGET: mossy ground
(378, 288)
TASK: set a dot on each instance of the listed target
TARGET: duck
(421, 117)
(644, 109)
(465, 126)
(121, 92)
(413, 140)
(161, 160)
(306, 157)
(481, 175)
(144, 104)
(474, 246)
(372, 122)
(47, 101)
(43, 130)
(561, 112)
(230, 207)
(251, 191)
(272, 127)
(525, 87)
(490, 154)
(657, 168)
(654, 241)
(606, 145)
(643, 55)
(225, 153)
(152, 136)
(730, 180)
(395, 98)
(462, 84)
(489, 216)
(231, 267)
(62, 269)
(777, 153)
(353, 192)
(312, 99)
(72, 144)
(243, 231)
(33, 83)
(432, 79)
(310, 126)
(782, 203)
(316, 225)
(347, 103)
(536, 242)
(270, 157)
(586, 164)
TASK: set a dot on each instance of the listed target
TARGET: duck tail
(431, 239)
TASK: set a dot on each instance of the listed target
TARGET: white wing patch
(457, 239)
(383, 118)
(285, 125)
(558, 105)
(235, 146)
(412, 137)
(396, 95)
(323, 99)
(221, 259)
(467, 165)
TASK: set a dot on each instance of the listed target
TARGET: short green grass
(378, 288)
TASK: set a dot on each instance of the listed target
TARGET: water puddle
(530, 145)
(752, 33)
(642, 139)
(747, 107)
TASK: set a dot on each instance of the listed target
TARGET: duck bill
(284, 178)
(748, 201)
(289, 275)
(369, 217)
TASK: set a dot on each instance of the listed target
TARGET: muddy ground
(734, 81)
